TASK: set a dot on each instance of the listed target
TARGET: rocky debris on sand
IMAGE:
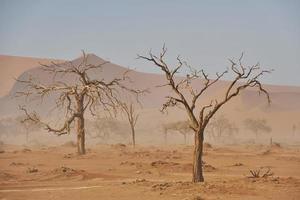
(237, 164)
(17, 164)
(2, 151)
(66, 171)
(32, 170)
(127, 163)
(69, 155)
(6, 176)
(161, 186)
(26, 150)
(162, 163)
(208, 168)
(139, 180)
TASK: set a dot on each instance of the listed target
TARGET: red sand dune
(13, 66)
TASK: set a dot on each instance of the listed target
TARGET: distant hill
(282, 113)
(13, 66)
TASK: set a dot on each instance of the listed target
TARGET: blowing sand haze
(210, 123)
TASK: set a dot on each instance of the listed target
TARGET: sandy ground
(152, 172)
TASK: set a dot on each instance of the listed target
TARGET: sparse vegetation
(257, 126)
(182, 127)
(132, 116)
(261, 173)
(220, 128)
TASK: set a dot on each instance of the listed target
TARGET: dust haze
(250, 149)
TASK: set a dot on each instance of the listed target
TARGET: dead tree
(186, 95)
(28, 126)
(182, 127)
(75, 97)
(132, 117)
(221, 126)
(257, 126)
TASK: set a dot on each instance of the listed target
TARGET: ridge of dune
(288, 97)
(12, 67)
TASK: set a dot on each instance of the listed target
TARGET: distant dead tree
(182, 127)
(104, 127)
(295, 129)
(8, 127)
(13, 126)
(221, 126)
(187, 96)
(75, 97)
(257, 126)
(132, 116)
(28, 126)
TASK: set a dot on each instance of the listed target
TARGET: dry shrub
(260, 173)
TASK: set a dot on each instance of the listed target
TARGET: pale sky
(205, 33)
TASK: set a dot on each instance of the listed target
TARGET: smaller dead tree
(28, 126)
(132, 116)
(106, 128)
(182, 127)
(220, 127)
(257, 126)
(295, 129)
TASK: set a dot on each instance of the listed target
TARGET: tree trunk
(198, 152)
(133, 135)
(80, 126)
(80, 136)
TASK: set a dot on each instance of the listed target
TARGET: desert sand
(147, 172)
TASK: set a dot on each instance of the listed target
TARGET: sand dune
(13, 66)
(285, 99)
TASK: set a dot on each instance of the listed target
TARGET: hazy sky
(205, 33)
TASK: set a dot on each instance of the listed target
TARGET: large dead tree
(185, 94)
(75, 97)
(132, 116)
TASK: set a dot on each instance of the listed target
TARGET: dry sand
(147, 172)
